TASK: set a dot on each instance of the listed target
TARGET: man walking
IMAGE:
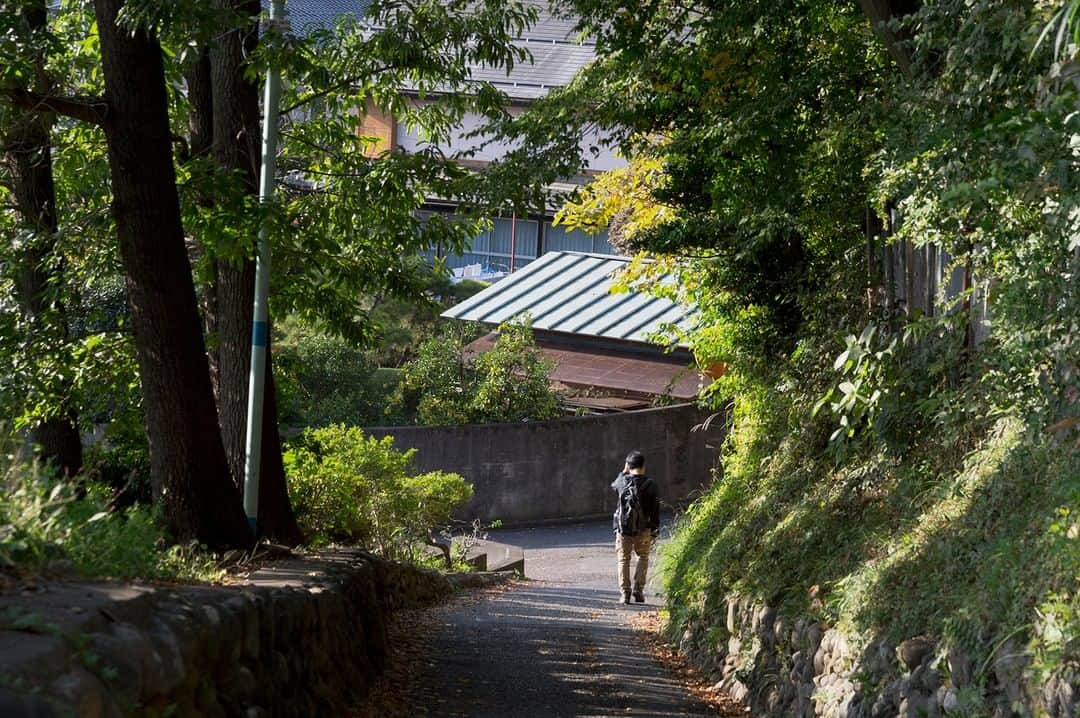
(636, 523)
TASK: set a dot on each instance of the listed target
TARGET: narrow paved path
(557, 645)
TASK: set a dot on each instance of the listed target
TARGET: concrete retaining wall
(545, 470)
(303, 638)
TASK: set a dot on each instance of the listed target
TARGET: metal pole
(513, 240)
(260, 325)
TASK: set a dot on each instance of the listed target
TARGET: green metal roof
(570, 293)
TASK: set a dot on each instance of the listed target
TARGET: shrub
(508, 383)
(512, 379)
(43, 519)
(120, 459)
(328, 380)
(351, 488)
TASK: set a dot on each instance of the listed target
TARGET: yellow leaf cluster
(621, 201)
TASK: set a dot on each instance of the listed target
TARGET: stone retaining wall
(304, 637)
(801, 668)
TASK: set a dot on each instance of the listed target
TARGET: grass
(973, 543)
(46, 523)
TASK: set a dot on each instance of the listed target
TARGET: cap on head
(635, 460)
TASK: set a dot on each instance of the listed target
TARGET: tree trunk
(189, 473)
(236, 149)
(201, 99)
(200, 142)
(880, 12)
(276, 517)
(28, 148)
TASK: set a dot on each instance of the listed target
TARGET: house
(603, 345)
(513, 241)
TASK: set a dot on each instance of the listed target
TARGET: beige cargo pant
(624, 546)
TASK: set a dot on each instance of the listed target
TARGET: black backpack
(630, 513)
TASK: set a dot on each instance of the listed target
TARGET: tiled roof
(321, 13)
(553, 65)
(569, 293)
(557, 53)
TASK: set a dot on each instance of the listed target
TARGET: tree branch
(336, 87)
(86, 109)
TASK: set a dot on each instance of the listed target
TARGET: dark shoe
(639, 596)
(625, 598)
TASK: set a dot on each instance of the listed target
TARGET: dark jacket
(650, 498)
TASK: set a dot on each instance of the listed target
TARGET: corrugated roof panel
(508, 299)
(549, 27)
(613, 312)
(589, 286)
(570, 293)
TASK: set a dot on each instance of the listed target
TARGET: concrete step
(484, 555)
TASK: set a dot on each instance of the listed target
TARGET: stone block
(165, 670)
(82, 691)
(126, 651)
(732, 622)
(961, 668)
(912, 651)
(12, 703)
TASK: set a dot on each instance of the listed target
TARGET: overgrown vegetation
(350, 488)
(902, 459)
(327, 380)
(46, 525)
(327, 377)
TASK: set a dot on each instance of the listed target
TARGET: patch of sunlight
(856, 589)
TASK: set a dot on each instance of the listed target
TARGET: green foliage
(106, 389)
(349, 225)
(436, 387)
(934, 487)
(44, 520)
(970, 547)
(47, 368)
(346, 228)
(505, 384)
(512, 379)
(325, 380)
(1063, 26)
(351, 488)
(763, 125)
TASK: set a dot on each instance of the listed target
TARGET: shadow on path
(547, 648)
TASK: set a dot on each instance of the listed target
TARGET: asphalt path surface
(558, 644)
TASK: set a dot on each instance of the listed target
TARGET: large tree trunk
(880, 13)
(189, 473)
(200, 142)
(27, 146)
(201, 99)
(236, 149)
(276, 517)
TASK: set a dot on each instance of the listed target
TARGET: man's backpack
(630, 513)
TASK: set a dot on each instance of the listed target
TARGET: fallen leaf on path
(649, 625)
